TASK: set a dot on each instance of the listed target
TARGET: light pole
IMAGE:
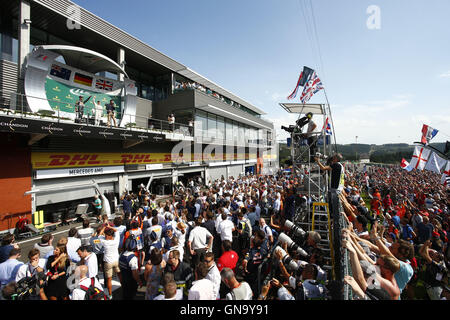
(356, 150)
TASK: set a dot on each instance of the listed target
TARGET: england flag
(420, 158)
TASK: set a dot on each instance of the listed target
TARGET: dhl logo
(43, 160)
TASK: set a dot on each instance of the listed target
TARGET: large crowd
(207, 242)
(233, 239)
(397, 237)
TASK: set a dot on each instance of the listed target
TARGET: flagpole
(331, 117)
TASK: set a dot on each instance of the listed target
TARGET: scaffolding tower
(314, 181)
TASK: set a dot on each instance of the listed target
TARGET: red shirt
(228, 259)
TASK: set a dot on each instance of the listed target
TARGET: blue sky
(382, 84)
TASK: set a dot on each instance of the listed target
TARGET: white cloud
(445, 75)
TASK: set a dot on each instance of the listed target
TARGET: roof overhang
(300, 108)
(86, 59)
(192, 75)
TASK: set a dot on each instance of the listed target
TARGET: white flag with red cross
(420, 158)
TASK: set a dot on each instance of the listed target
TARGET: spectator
(238, 290)
(9, 268)
(7, 245)
(110, 245)
(129, 269)
(182, 272)
(153, 273)
(45, 246)
(84, 281)
(229, 258)
(200, 241)
(73, 243)
(57, 266)
(85, 233)
(202, 288)
(213, 273)
(89, 259)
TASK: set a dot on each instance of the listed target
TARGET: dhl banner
(46, 160)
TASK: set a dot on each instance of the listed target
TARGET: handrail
(10, 100)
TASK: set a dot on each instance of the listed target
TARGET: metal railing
(17, 104)
(342, 260)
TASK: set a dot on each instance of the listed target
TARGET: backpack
(130, 243)
(93, 293)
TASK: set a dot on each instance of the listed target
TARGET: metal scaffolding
(314, 181)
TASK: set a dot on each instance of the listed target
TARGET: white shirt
(199, 237)
(157, 229)
(27, 270)
(202, 290)
(85, 235)
(214, 276)
(73, 244)
(226, 230)
(111, 249)
(79, 294)
(180, 250)
(267, 231)
(91, 262)
(243, 288)
(178, 296)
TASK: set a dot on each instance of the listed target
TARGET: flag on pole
(446, 175)
(302, 79)
(420, 158)
(327, 128)
(313, 86)
(435, 163)
(428, 133)
(405, 165)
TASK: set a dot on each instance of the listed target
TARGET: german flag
(82, 79)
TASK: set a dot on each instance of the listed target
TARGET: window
(229, 129)
(241, 133)
(9, 47)
(235, 131)
(200, 123)
(220, 128)
(212, 125)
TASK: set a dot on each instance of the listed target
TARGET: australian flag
(60, 72)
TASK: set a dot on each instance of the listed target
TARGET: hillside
(386, 153)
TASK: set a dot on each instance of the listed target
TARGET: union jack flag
(313, 86)
(104, 85)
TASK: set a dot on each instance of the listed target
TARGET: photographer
(337, 172)
(32, 277)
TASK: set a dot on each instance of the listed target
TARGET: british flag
(327, 128)
(104, 85)
(313, 86)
